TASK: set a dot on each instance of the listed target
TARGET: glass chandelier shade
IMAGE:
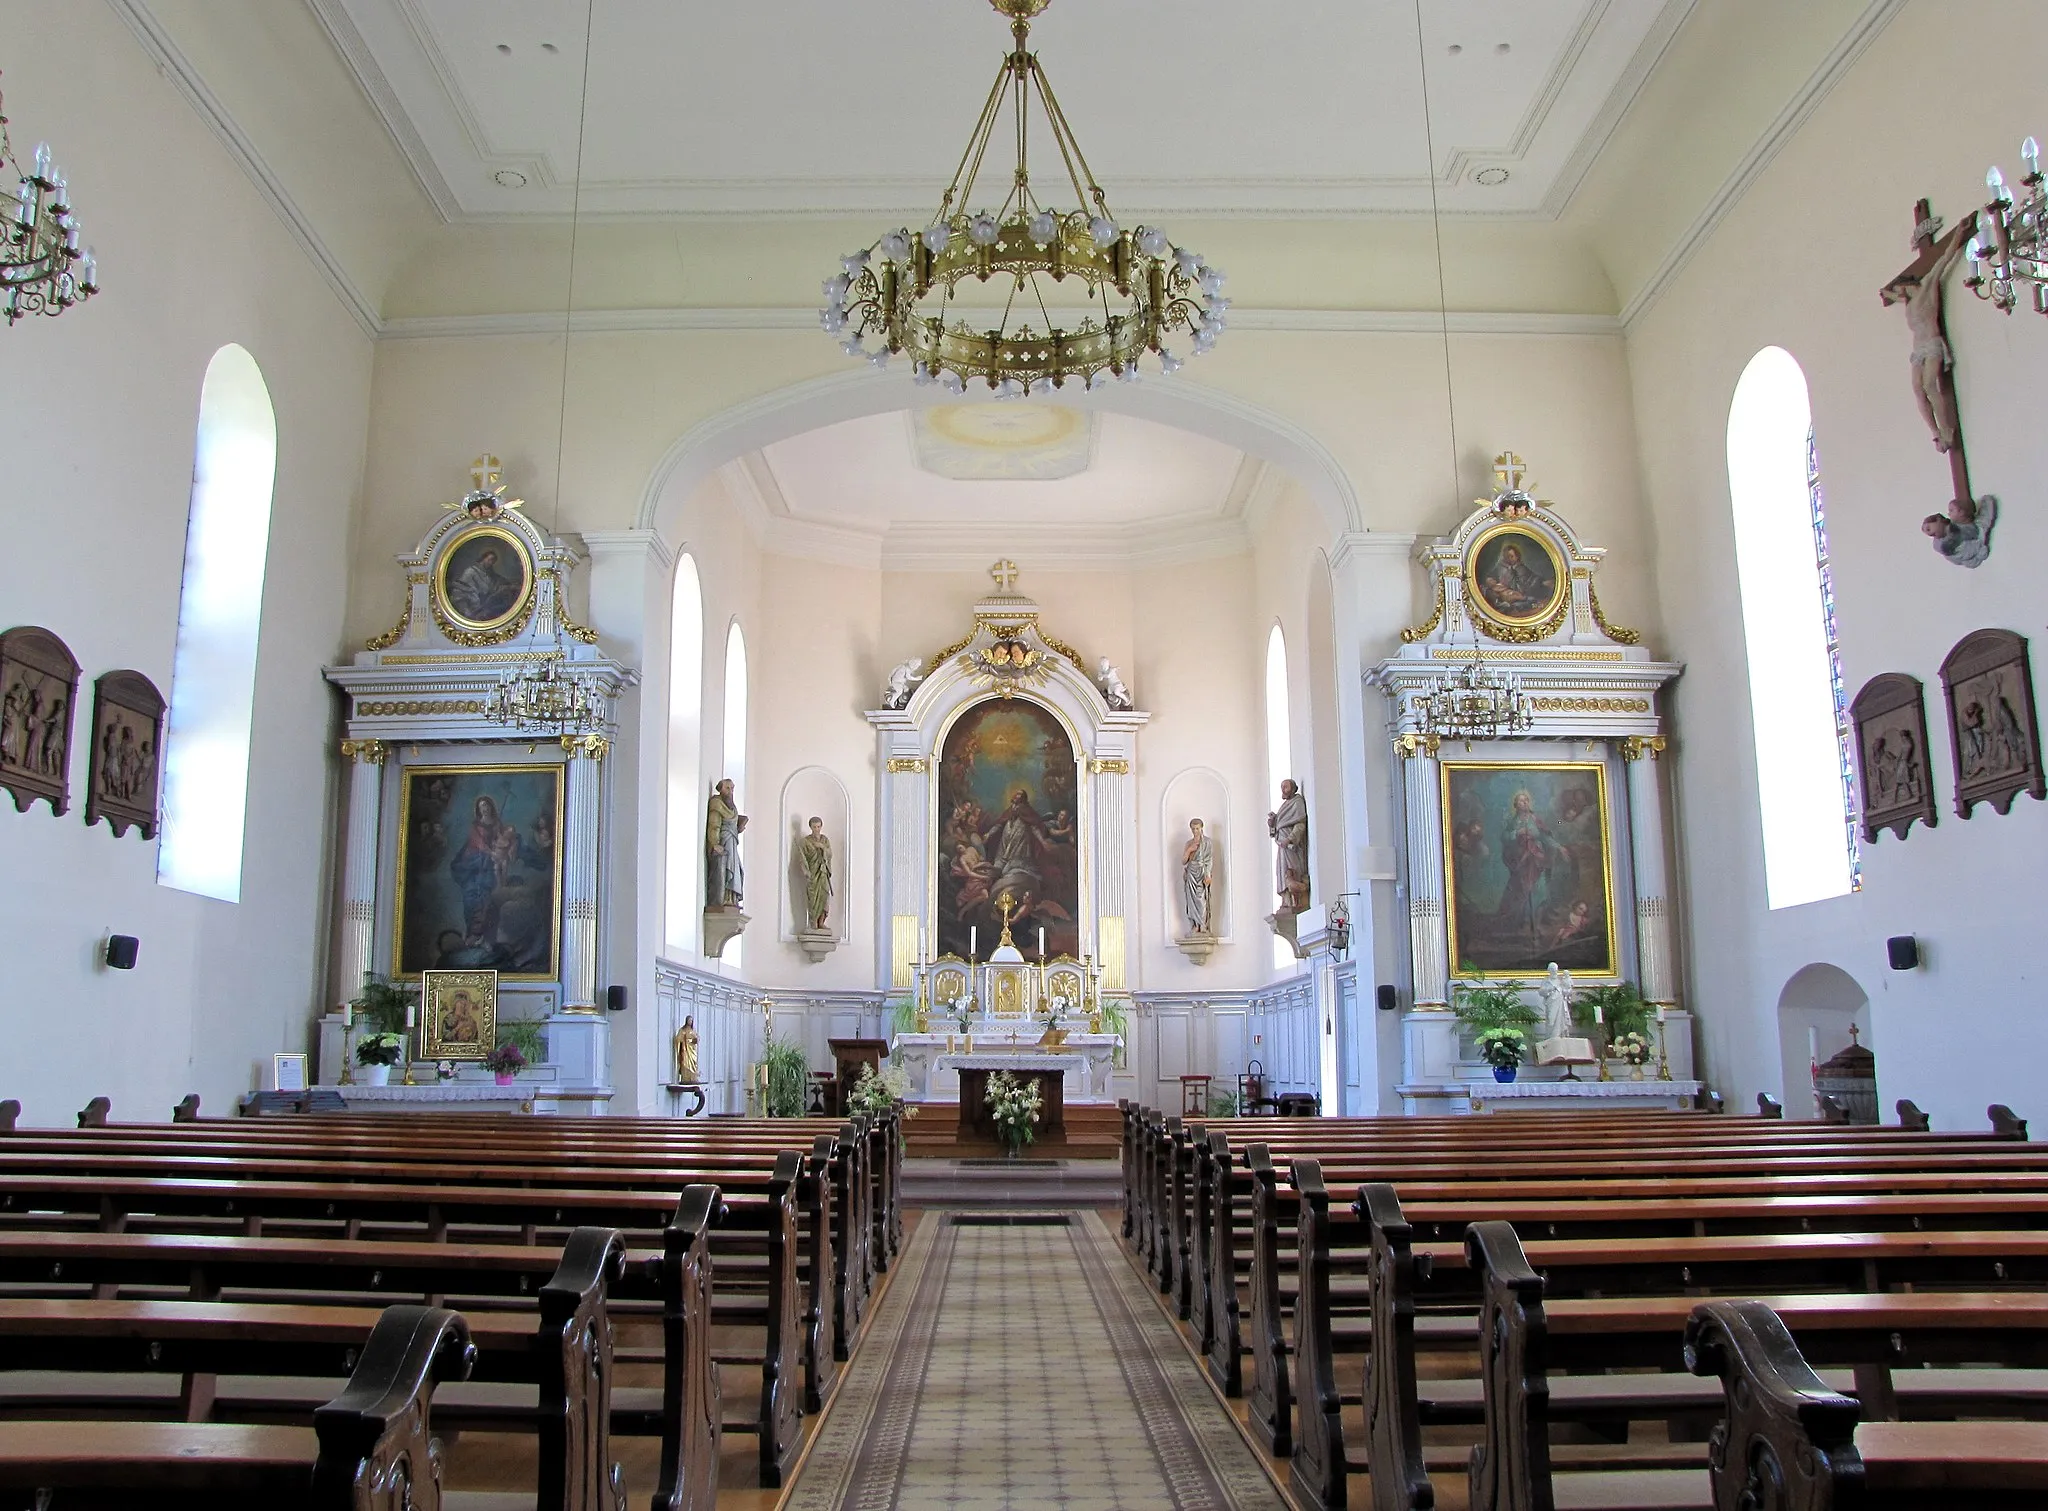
(2011, 244)
(1474, 702)
(1027, 295)
(536, 696)
(43, 268)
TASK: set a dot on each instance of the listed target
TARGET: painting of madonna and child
(479, 869)
(1007, 830)
(1528, 870)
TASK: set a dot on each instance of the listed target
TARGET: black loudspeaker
(615, 999)
(1903, 950)
(1389, 999)
(121, 949)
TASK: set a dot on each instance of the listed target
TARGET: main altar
(1006, 826)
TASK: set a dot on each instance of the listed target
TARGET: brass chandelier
(43, 269)
(1025, 296)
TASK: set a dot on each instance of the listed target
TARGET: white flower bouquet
(1633, 1048)
(1015, 1106)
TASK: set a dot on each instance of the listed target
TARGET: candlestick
(1041, 943)
(973, 942)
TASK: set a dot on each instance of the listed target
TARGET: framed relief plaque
(127, 753)
(1991, 728)
(38, 693)
(1897, 780)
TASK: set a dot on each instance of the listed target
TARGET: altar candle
(973, 937)
(348, 1016)
(1041, 941)
(1596, 1014)
(411, 1017)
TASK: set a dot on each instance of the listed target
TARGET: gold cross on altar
(1005, 574)
(484, 473)
(1508, 471)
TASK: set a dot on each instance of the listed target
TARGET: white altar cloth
(1088, 1059)
(1674, 1096)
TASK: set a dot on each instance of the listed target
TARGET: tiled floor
(1017, 1367)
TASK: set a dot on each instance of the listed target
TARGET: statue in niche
(1197, 879)
(724, 879)
(1111, 682)
(686, 1053)
(1288, 824)
(815, 851)
(903, 680)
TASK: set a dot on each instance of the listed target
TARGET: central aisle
(1021, 1364)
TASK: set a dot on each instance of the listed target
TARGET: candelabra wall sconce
(2011, 244)
(44, 269)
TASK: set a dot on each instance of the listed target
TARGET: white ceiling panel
(1191, 106)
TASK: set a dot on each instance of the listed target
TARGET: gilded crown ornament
(1027, 295)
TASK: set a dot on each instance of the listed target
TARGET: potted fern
(788, 1072)
(1618, 1010)
(1499, 1022)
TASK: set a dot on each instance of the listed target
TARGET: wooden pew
(1789, 1440)
(766, 1213)
(1523, 1337)
(376, 1432)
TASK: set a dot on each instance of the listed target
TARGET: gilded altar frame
(1610, 966)
(409, 779)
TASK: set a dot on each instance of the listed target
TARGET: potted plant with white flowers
(376, 1053)
(1014, 1105)
(1502, 1047)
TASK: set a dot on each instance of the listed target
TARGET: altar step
(1093, 1132)
(1034, 1183)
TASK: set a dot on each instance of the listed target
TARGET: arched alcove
(1816, 1007)
(814, 792)
(1198, 792)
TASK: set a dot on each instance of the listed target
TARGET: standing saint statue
(686, 1052)
(815, 851)
(1288, 824)
(724, 880)
(1197, 877)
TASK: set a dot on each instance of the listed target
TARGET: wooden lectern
(848, 1056)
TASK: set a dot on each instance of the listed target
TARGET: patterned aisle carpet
(1022, 1365)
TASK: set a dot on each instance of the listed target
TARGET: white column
(1427, 940)
(907, 786)
(355, 943)
(579, 871)
(1112, 777)
(1656, 979)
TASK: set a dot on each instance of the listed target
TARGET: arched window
(220, 612)
(685, 737)
(735, 765)
(1279, 750)
(1799, 714)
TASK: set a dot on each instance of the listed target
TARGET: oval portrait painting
(1515, 575)
(484, 579)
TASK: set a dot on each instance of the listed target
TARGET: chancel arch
(1817, 1007)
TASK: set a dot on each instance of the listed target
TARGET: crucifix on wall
(1962, 531)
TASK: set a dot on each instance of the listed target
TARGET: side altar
(1529, 733)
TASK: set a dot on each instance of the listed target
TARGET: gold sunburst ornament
(1027, 295)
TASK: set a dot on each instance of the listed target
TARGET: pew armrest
(1786, 1440)
(377, 1432)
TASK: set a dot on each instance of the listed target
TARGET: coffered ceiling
(1310, 107)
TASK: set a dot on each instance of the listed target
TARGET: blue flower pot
(1505, 1073)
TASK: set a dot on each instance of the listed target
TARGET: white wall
(1798, 263)
(98, 430)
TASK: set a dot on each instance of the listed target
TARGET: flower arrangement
(380, 1049)
(1015, 1106)
(1501, 1046)
(444, 1070)
(874, 1094)
(505, 1060)
(1632, 1047)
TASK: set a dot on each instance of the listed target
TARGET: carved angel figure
(1112, 684)
(903, 680)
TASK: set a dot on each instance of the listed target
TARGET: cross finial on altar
(484, 473)
(1508, 471)
(1005, 574)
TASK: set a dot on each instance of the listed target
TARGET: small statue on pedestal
(686, 1052)
(724, 879)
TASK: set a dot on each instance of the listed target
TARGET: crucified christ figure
(1918, 288)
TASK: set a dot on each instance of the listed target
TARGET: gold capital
(371, 751)
(1411, 744)
(1635, 747)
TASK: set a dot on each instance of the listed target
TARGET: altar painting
(1007, 829)
(479, 870)
(1530, 875)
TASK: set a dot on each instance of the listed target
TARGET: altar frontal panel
(479, 870)
(1007, 827)
(1530, 868)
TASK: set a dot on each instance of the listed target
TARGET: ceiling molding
(645, 321)
(175, 66)
(362, 63)
(1607, 120)
(1876, 16)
